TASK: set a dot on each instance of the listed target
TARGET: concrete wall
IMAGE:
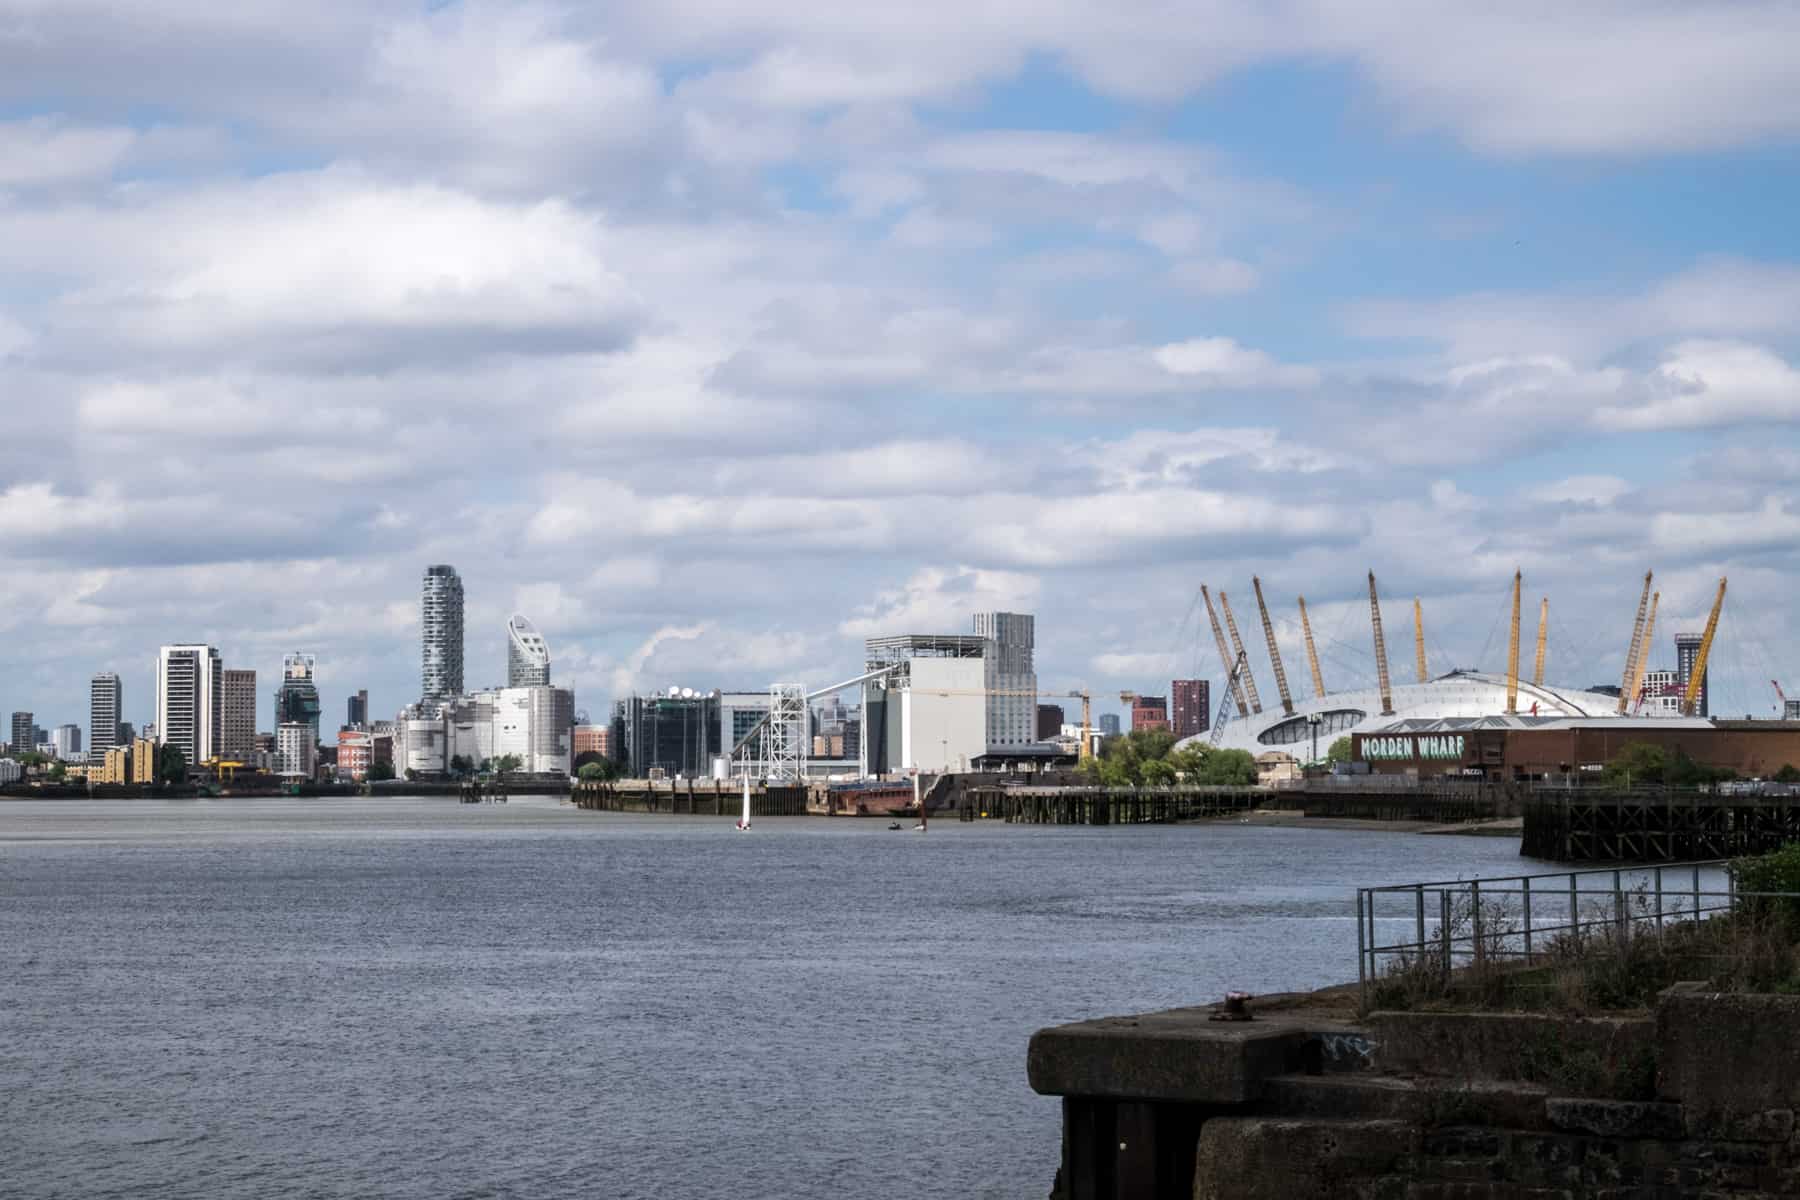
(943, 715)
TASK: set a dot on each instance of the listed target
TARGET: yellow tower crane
(1234, 689)
(1512, 651)
(1312, 653)
(1631, 651)
(1287, 700)
(1643, 655)
(1381, 662)
(1697, 674)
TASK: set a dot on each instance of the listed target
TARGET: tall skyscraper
(1009, 676)
(1687, 651)
(297, 700)
(189, 679)
(237, 724)
(1192, 711)
(1109, 724)
(65, 742)
(356, 712)
(103, 712)
(24, 731)
(441, 633)
(527, 655)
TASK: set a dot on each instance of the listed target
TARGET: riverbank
(1291, 819)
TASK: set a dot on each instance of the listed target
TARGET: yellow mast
(1543, 642)
(1419, 637)
(1643, 656)
(1287, 701)
(1381, 662)
(1631, 652)
(1226, 661)
(1237, 644)
(1312, 654)
(1512, 651)
(1697, 675)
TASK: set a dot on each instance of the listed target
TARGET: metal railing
(1518, 918)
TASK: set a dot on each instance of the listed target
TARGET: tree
(460, 765)
(1339, 751)
(1789, 773)
(1229, 768)
(507, 763)
(171, 766)
(486, 767)
(605, 770)
(1637, 764)
(381, 771)
(412, 774)
(58, 770)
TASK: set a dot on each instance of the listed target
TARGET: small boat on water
(893, 824)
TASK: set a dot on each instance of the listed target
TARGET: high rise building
(1192, 712)
(237, 721)
(527, 655)
(1049, 721)
(1109, 724)
(1009, 676)
(65, 742)
(297, 699)
(1687, 652)
(1149, 712)
(357, 711)
(23, 731)
(189, 679)
(441, 633)
(103, 712)
(296, 749)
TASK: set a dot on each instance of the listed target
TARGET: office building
(355, 752)
(1790, 710)
(189, 679)
(1050, 719)
(237, 719)
(1687, 653)
(143, 760)
(1149, 712)
(677, 733)
(23, 728)
(441, 633)
(1109, 724)
(103, 712)
(593, 739)
(527, 655)
(297, 700)
(1009, 677)
(533, 724)
(1192, 707)
(11, 771)
(65, 742)
(356, 714)
(296, 750)
(127, 733)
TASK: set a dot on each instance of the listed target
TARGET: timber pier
(688, 797)
(1105, 806)
(1657, 825)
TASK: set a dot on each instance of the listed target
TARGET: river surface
(419, 998)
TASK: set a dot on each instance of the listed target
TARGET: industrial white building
(534, 723)
(930, 713)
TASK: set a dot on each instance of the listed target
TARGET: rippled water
(421, 998)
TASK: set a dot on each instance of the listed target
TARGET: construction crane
(1631, 652)
(1697, 674)
(1236, 692)
(1419, 637)
(1381, 662)
(1237, 645)
(1240, 666)
(1287, 701)
(1543, 642)
(1312, 653)
(1512, 651)
(1643, 655)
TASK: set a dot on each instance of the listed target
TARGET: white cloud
(1221, 362)
(943, 600)
(1704, 384)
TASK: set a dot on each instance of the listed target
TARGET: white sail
(744, 822)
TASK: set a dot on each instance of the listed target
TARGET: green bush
(1778, 871)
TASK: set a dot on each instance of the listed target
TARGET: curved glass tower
(441, 633)
(527, 655)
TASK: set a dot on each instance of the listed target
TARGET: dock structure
(689, 797)
(482, 791)
(1105, 806)
(1655, 825)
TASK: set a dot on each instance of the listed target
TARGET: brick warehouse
(1511, 748)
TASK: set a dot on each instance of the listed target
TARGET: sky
(717, 335)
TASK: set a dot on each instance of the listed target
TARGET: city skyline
(885, 323)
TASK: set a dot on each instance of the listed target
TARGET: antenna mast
(1237, 644)
(1512, 651)
(1419, 637)
(1232, 687)
(1631, 652)
(1287, 701)
(1381, 662)
(1537, 670)
(1312, 654)
(1697, 675)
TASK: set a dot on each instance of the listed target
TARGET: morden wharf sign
(1433, 746)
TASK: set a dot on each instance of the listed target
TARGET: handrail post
(1362, 962)
(1419, 915)
(1525, 887)
(1619, 905)
(1444, 932)
(1659, 898)
(1475, 918)
(1574, 908)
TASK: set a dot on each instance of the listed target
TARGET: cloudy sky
(716, 335)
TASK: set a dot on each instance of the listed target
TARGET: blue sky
(717, 337)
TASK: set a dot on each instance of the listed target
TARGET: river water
(418, 998)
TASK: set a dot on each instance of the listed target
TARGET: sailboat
(919, 801)
(744, 821)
